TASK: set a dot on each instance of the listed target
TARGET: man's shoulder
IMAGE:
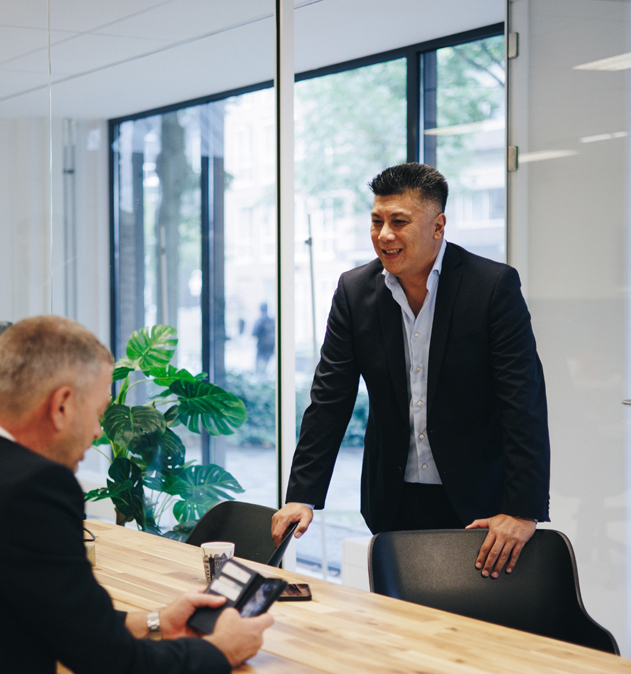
(455, 256)
(362, 273)
(19, 464)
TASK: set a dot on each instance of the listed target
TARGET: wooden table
(343, 630)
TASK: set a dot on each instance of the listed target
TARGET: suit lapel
(392, 335)
(450, 277)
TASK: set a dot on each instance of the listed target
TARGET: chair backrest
(437, 569)
(247, 525)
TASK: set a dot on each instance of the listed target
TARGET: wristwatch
(153, 626)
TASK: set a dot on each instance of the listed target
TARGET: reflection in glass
(195, 234)
(466, 142)
(349, 126)
(250, 289)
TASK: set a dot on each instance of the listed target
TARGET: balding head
(39, 355)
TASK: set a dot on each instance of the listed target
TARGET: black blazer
(487, 414)
(52, 608)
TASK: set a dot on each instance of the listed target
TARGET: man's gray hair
(40, 354)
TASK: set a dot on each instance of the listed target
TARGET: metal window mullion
(429, 108)
(206, 256)
(414, 97)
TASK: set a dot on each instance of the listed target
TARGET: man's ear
(439, 226)
(58, 405)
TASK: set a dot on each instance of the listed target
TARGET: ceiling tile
(182, 19)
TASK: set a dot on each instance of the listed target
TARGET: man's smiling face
(407, 232)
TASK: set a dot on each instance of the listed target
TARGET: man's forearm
(136, 623)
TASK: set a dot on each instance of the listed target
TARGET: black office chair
(437, 569)
(247, 525)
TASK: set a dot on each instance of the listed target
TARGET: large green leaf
(171, 416)
(200, 488)
(122, 393)
(152, 347)
(127, 426)
(165, 376)
(122, 368)
(167, 453)
(216, 409)
(127, 493)
(125, 488)
(181, 532)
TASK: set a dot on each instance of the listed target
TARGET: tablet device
(244, 589)
(277, 556)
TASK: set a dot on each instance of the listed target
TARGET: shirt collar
(392, 280)
(5, 434)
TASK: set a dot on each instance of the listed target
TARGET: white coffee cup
(216, 554)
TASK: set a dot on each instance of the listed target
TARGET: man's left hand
(504, 542)
(173, 618)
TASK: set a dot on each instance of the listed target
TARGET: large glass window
(464, 139)
(195, 228)
(195, 233)
(349, 126)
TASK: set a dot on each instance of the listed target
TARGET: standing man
(457, 433)
(55, 379)
(265, 333)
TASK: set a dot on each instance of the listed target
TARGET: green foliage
(470, 89)
(259, 399)
(216, 409)
(350, 126)
(148, 454)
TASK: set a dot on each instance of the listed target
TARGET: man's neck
(415, 291)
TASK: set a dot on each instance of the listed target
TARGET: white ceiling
(118, 57)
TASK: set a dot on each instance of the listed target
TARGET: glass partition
(25, 179)
(569, 232)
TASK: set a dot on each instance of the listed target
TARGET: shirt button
(424, 465)
(418, 369)
(421, 436)
(416, 334)
(419, 403)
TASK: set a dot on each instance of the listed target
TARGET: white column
(285, 383)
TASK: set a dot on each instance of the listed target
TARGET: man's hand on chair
(504, 542)
(292, 512)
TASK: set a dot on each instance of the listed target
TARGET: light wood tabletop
(342, 630)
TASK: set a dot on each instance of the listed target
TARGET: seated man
(55, 381)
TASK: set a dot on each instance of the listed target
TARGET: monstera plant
(148, 473)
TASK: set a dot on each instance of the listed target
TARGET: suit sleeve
(520, 388)
(333, 396)
(54, 593)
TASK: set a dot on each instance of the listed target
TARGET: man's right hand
(239, 638)
(292, 512)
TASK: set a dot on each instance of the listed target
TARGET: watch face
(153, 625)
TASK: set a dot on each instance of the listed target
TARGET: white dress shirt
(417, 333)
(5, 434)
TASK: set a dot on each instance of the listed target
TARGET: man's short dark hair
(429, 182)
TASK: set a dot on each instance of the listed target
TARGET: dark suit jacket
(487, 413)
(51, 607)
